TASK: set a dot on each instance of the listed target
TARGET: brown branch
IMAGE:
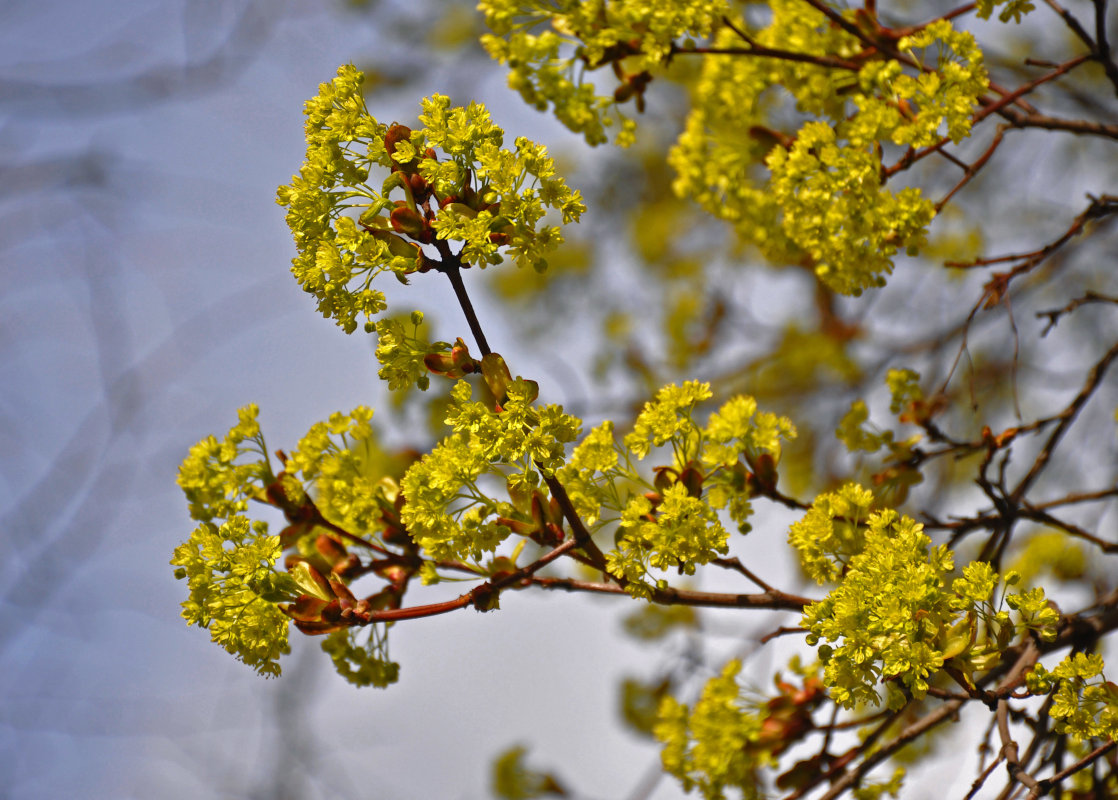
(736, 565)
(955, 12)
(781, 631)
(1026, 88)
(1099, 46)
(1081, 127)
(451, 266)
(912, 732)
(483, 592)
(1017, 773)
(1054, 314)
(840, 764)
(1079, 497)
(1030, 512)
(873, 44)
(912, 156)
(1102, 45)
(973, 169)
(1094, 379)
(352, 538)
(582, 536)
(1046, 785)
(769, 52)
(754, 49)
(1072, 23)
(1098, 208)
(774, 600)
(855, 723)
(982, 777)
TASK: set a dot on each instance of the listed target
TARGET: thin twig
(1030, 512)
(1026, 88)
(775, 600)
(1078, 497)
(981, 779)
(485, 590)
(736, 565)
(1086, 761)
(912, 732)
(783, 630)
(451, 266)
(1098, 208)
(1054, 314)
(1094, 379)
(1017, 772)
(761, 51)
(973, 169)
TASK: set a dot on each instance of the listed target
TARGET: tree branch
(451, 266)
(774, 600)
(483, 593)
(851, 778)
(1017, 772)
(1046, 785)
(1094, 378)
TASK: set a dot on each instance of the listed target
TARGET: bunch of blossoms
(449, 182)
(550, 46)
(675, 523)
(449, 513)
(727, 739)
(337, 488)
(452, 198)
(1085, 704)
(229, 561)
(823, 203)
(894, 618)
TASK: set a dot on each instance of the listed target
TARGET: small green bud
(393, 181)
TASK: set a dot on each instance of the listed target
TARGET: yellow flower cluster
(350, 227)
(823, 202)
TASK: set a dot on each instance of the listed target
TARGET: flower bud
(406, 221)
(664, 478)
(519, 527)
(330, 549)
(420, 188)
(455, 364)
(485, 597)
(342, 592)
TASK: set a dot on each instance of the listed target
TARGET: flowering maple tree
(950, 554)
